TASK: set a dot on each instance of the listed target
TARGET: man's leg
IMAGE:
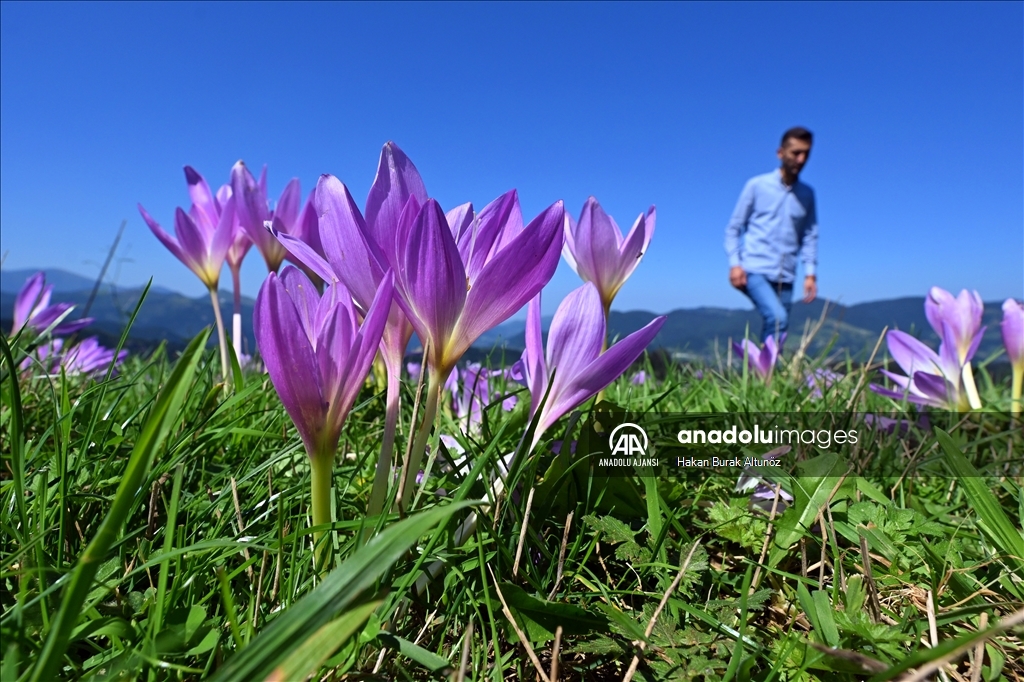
(773, 302)
(785, 293)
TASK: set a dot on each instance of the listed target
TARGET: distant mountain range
(689, 334)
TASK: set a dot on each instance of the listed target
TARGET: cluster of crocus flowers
(34, 313)
(943, 379)
(472, 393)
(1012, 329)
(352, 251)
(761, 360)
(820, 380)
(85, 358)
(33, 310)
(202, 238)
(598, 253)
(574, 368)
(317, 355)
(457, 275)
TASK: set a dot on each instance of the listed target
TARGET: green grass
(155, 527)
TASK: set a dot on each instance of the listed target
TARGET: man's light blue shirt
(771, 225)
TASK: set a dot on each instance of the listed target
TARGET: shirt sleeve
(809, 248)
(738, 223)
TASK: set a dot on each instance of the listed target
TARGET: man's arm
(733, 231)
(809, 253)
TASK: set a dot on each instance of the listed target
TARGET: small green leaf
(428, 659)
(306, 658)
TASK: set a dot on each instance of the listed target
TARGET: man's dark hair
(798, 133)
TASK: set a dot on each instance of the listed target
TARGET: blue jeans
(773, 300)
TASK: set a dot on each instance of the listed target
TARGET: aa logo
(628, 440)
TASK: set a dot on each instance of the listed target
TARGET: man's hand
(810, 288)
(737, 277)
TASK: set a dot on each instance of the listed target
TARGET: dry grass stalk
(519, 633)
(657, 612)
(522, 532)
(554, 654)
(1011, 621)
(460, 674)
(561, 556)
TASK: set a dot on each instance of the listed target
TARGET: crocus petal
(202, 198)
(397, 179)
(630, 252)
(1013, 331)
(432, 278)
(223, 237)
(195, 248)
(769, 356)
(569, 247)
(597, 245)
(414, 369)
(303, 255)
(289, 359)
(495, 218)
(963, 315)
(28, 297)
(287, 208)
(72, 326)
(910, 354)
(167, 240)
(932, 390)
(533, 365)
(355, 261)
(460, 220)
(576, 335)
(251, 208)
(304, 298)
(344, 366)
(598, 374)
(512, 277)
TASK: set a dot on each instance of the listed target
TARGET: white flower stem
(973, 399)
(1016, 386)
(221, 338)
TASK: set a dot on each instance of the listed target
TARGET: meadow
(333, 509)
(156, 526)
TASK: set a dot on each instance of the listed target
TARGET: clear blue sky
(917, 108)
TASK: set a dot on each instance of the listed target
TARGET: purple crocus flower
(962, 315)
(761, 360)
(254, 212)
(84, 358)
(929, 378)
(1013, 340)
(352, 252)
(317, 356)
(597, 251)
(820, 380)
(456, 282)
(89, 357)
(957, 321)
(203, 235)
(574, 357)
(476, 394)
(32, 309)
(639, 379)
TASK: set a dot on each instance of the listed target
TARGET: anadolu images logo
(628, 440)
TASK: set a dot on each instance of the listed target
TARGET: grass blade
(339, 590)
(158, 426)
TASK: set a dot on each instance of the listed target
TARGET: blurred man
(774, 221)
